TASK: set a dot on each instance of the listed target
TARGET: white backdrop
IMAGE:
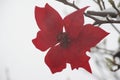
(19, 59)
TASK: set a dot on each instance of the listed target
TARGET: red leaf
(72, 44)
(43, 41)
(90, 35)
(74, 22)
(56, 59)
(48, 19)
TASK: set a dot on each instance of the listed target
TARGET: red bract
(69, 46)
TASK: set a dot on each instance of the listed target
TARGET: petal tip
(84, 8)
(48, 6)
(35, 42)
(56, 70)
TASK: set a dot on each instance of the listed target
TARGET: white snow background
(19, 59)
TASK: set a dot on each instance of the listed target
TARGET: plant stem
(102, 14)
(103, 4)
(113, 25)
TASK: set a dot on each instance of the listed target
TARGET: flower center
(63, 39)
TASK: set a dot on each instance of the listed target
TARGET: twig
(113, 25)
(114, 6)
(105, 22)
(115, 64)
(114, 70)
(88, 15)
(102, 14)
(104, 49)
(95, 1)
(99, 3)
(97, 21)
(103, 4)
(67, 3)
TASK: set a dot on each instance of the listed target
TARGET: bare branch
(114, 6)
(103, 4)
(102, 14)
(67, 3)
(113, 25)
(90, 13)
(95, 1)
(104, 49)
(99, 22)
(99, 3)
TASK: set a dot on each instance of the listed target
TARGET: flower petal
(48, 19)
(78, 58)
(90, 36)
(74, 22)
(55, 59)
(44, 40)
(81, 62)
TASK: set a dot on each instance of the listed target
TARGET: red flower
(69, 46)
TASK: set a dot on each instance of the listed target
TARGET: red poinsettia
(69, 46)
